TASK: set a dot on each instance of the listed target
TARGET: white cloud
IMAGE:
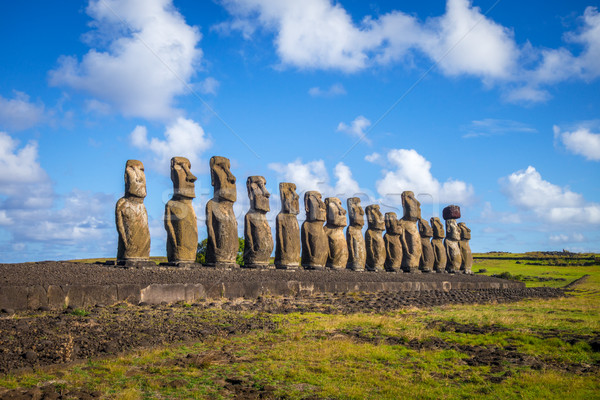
(488, 214)
(209, 86)
(581, 141)
(314, 176)
(19, 113)
(18, 166)
(373, 157)
(356, 128)
(528, 191)
(151, 54)
(494, 127)
(337, 89)
(527, 94)
(411, 171)
(184, 138)
(562, 238)
(319, 34)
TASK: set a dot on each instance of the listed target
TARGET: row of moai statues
(409, 244)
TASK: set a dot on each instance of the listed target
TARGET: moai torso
(465, 249)
(393, 243)
(180, 217)
(439, 249)
(373, 239)
(357, 253)
(411, 239)
(287, 250)
(452, 241)
(315, 247)
(427, 256)
(334, 230)
(131, 216)
(221, 224)
(258, 241)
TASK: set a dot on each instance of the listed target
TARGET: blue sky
(491, 105)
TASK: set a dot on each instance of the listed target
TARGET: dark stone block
(451, 212)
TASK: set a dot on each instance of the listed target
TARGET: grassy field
(532, 349)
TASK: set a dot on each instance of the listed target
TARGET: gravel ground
(69, 273)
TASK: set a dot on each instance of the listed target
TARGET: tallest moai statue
(180, 217)
(221, 225)
(131, 216)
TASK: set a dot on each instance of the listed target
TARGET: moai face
(336, 215)
(452, 229)
(135, 179)
(315, 208)
(355, 212)
(392, 225)
(258, 194)
(222, 179)
(438, 227)
(411, 206)
(465, 232)
(424, 229)
(183, 180)
(289, 198)
(374, 217)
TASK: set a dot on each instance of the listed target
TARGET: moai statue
(334, 230)
(465, 249)
(180, 217)
(374, 239)
(131, 216)
(287, 250)
(221, 225)
(450, 214)
(258, 241)
(357, 253)
(411, 239)
(314, 241)
(427, 256)
(393, 243)
(439, 250)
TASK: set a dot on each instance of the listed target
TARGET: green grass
(362, 356)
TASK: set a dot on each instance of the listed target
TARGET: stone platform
(59, 284)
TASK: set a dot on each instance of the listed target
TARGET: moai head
(135, 179)
(183, 180)
(424, 229)
(222, 179)
(315, 208)
(392, 225)
(289, 198)
(438, 227)
(258, 194)
(452, 230)
(465, 232)
(411, 206)
(336, 215)
(374, 217)
(355, 212)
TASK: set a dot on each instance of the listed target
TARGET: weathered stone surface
(393, 243)
(357, 252)
(439, 250)
(258, 240)
(451, 212)
(287, 230)
(374, 239)
(465, 249)
(314, 241)
(452, 246)
(411, 239)
(427, 256)
(131, 216)
(180, 217)
(221, 225)
(334, 230)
